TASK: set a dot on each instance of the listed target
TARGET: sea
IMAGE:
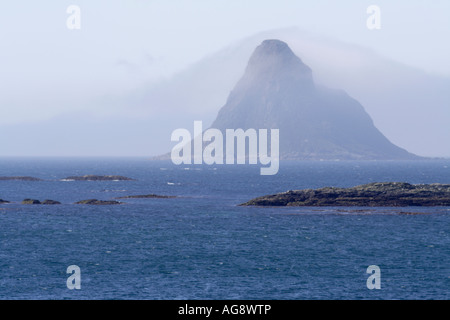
(203, 245)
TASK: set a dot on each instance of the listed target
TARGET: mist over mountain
(277, 91)
(408, 105)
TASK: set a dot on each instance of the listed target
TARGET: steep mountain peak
(273, 47)
(275, 56)
(277, 91)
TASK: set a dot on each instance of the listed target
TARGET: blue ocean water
(202, 245)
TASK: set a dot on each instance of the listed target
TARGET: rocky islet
(378, 194)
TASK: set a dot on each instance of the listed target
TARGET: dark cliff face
(277, 91)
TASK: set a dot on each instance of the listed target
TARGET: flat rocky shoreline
(378, 194)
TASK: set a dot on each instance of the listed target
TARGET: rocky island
(378, 194)
(97, 178)
(50, 202)
(3, 201)
(45, 202)
(147, 196)
(19, 179)
(31, 201)
(278, 91)
(96, 202)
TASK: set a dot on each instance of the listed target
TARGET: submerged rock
(98, 202)
(147, 196)
(378, 194)
(98, 178)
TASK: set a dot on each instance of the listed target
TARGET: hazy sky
(47, 70)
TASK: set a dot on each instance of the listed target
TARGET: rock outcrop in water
(31, 201)
(19, 179)
(50, 202)
(147, 196)
(3, 201)
(98, 178)
(387, 194)
(96, 202)
(45, 202)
